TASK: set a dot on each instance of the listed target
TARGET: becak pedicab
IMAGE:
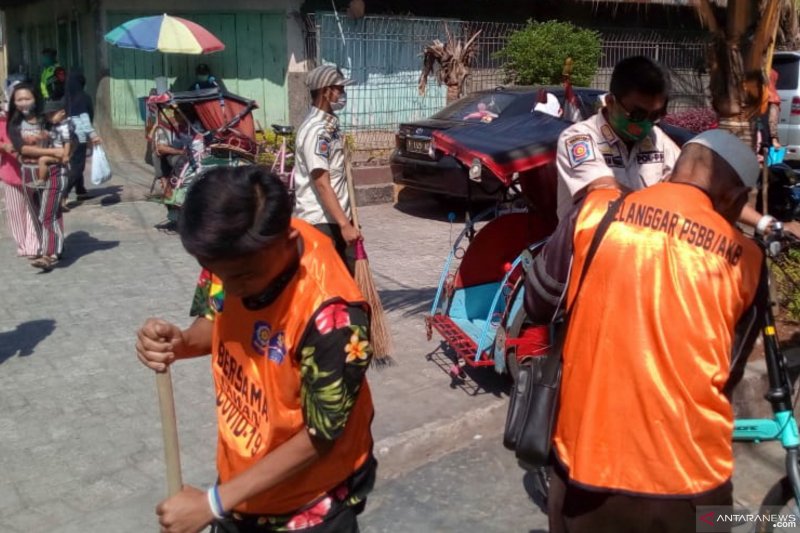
(478, 308)
(212, 127)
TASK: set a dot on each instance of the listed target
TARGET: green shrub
(535, 55)
(786, 274)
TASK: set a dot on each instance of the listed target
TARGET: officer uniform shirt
(590, 149)
(320, 146)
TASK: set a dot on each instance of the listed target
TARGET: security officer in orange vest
(288, 332)
(644, 429)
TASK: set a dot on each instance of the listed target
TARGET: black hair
(49, 52)
(15, 116)
(315, 93)
(233, 212)
(639, 74)
(202, 68)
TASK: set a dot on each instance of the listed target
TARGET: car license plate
(418, 147)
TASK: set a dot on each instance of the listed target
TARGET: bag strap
(602, 228)
(551, 366)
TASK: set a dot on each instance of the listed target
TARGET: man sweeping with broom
(325, 196)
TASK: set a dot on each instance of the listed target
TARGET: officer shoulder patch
(580, 150)
(323, 147)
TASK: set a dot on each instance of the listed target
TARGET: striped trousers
(20, 221)
(45, 205)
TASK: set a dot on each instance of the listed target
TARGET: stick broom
(380, 337)
(169, 428)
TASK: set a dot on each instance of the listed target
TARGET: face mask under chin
(26, 111)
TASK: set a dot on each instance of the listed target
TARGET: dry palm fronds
(453, 58)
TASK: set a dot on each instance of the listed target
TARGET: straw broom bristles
(380, 338)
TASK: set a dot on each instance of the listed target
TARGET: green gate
(253, 65)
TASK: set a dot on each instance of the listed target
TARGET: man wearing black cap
(320, 181)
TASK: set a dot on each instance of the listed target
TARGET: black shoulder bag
(533, 405)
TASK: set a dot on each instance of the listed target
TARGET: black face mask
(271, 293)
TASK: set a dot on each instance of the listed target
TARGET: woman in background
(18, 216)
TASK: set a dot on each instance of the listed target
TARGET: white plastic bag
(101, 170)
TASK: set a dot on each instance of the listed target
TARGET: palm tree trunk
(742, 126)
(453, 93)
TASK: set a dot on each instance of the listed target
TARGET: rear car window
(477, 107)
(788, 68)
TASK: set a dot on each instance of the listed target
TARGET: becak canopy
(505, 146)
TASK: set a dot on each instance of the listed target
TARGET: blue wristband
(215, 502)
(218, 500)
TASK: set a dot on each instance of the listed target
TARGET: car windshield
(477, 107)
(788, 68)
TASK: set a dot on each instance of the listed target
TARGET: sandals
(46, 263)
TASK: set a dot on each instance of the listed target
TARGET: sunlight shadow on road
(473, 381)
(79, 244)
(22, 340)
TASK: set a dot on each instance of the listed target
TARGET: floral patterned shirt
(334, 357)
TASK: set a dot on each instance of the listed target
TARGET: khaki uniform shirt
(590, 149)
(320, 146)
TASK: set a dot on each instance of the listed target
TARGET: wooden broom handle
(169, 428)
(351, 187)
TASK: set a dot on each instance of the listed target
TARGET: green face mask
(630, 130)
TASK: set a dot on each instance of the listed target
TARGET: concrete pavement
(80, 442)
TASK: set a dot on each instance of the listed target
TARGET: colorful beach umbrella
(164, 33)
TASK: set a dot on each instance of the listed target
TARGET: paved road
(80, 444)
(477, 489)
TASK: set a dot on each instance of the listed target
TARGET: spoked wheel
(780, 503)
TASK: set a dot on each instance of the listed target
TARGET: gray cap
(730, 148)
(326, 76)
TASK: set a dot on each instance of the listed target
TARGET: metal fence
(384, 55)
(682, 54)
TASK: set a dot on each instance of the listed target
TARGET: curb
(419, 446)
(374, 194)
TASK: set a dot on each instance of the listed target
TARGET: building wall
(65, 25)
(36, 25)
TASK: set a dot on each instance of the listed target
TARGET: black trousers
(347, 253)
(572, 509)
(77, 165)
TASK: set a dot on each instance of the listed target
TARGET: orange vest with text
(648, 348)
(257, 376)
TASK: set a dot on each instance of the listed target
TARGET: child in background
(60, 132)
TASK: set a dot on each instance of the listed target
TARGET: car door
(787, 64)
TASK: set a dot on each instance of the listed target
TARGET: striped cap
(326, 76)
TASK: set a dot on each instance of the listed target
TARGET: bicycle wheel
(781, 495)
